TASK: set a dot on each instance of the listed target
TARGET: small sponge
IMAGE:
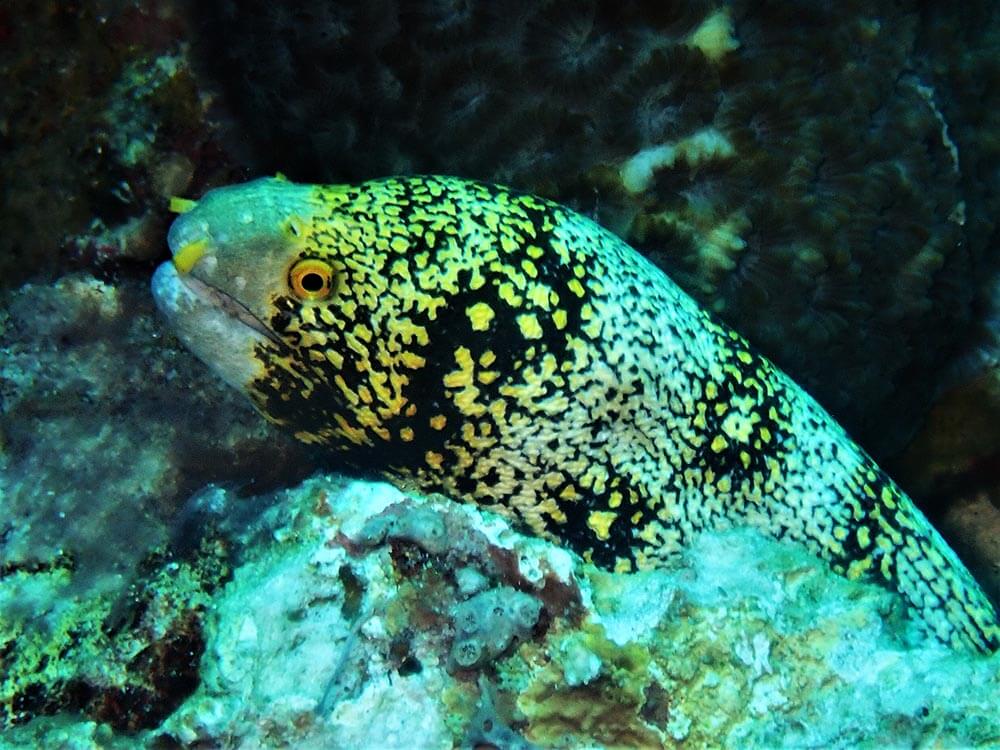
(487, 624)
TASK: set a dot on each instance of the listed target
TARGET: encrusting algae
(462, 338)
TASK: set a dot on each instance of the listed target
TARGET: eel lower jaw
(223, 302)
(217, 329)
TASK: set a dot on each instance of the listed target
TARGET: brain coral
(787, 163)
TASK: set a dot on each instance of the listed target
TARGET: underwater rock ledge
(345, 603)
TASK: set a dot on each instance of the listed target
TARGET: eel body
(463, 338)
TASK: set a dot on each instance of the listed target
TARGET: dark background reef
(863, 178)
(844, 232)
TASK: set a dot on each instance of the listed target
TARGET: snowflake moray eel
(463, 338)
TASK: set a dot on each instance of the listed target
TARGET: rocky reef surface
(356, 616)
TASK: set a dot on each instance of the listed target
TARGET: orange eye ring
(311, 279)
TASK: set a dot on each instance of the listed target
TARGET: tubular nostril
(189, 254)
(181, 205)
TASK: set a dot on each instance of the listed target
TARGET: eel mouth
(221, 301)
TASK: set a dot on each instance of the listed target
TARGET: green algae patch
(596, 689)
(127, 662)
(459, 701)
(34, 660)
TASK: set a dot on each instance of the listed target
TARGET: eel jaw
(229, 305)
(218, 329)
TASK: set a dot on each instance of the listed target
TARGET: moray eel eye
(311, 279)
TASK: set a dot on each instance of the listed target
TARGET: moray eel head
(306, 298)
(232, 280)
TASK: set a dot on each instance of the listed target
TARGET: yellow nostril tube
(189, 254)
(181, 205)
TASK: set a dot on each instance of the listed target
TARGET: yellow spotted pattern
(507, 351)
